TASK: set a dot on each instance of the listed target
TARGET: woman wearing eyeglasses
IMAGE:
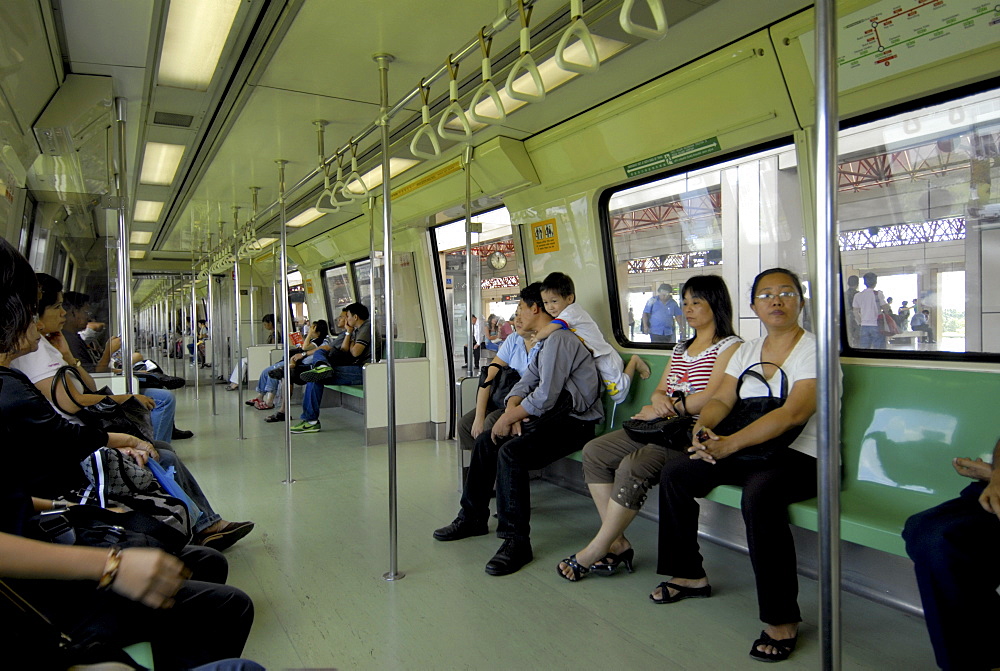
(769, 484)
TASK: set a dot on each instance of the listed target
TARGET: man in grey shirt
(563, 367)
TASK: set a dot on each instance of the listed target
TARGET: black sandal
(579, 570)
(610, 563)
(784, 648)
(276, 417)
(682, 593)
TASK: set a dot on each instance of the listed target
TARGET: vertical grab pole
(467, 167)
(383, 61)
(212, 332)
(124, 261)
(172, 325)
(375, 350)
(194, 334)
(286, 386)
(828, 401)
(238, 345)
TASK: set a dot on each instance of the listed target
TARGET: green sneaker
(317, 373)
(305, 427)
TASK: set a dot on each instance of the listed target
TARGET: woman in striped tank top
(620, 471)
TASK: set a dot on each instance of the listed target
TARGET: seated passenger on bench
(770, 481)
(620, 471)
(560, 302)
(239, 371)
(955, 549)
(550, 414)
(517, 351)
(355, 349)
(269, 381)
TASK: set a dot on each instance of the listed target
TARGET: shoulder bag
(748, 410)
(130, 417)
(117, 479)
(501, 384)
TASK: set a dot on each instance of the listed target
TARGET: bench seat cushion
(349, 389)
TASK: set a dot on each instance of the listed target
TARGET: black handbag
(554, 415)
(748, 410)
(130, 417)
(671, 432)
(94, 526)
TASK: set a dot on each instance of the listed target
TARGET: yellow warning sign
(309, 285)
(545, 236)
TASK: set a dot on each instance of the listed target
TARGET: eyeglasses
(784, 295)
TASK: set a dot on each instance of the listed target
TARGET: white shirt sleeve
(586, 329)
(40, 364)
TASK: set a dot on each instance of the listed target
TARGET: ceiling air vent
(171, 119)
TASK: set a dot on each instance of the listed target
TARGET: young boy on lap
(559, 299)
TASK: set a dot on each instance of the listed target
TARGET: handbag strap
(749, 372)
(60, 377)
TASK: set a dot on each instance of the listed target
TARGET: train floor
(315, 561)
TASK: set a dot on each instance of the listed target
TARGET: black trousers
(955, 549)
(508, 464)
(209, 621)
(768, 487)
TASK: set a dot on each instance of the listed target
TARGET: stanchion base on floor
(389, 576)
(288, 482)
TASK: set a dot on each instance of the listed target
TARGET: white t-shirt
(799, 365)
(41, 364)
(869, 302)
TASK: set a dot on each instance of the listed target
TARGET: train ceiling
(286, 63)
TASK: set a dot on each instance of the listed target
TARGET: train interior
(156, 155)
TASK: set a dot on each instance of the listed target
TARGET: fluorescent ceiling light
(307, 217)
(137, 254)
(192, 43)
(373, 178)
(264, 242)
(552, 75)
(147, 210)
(140, 237)
(160, 163)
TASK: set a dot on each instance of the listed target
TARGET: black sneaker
(276, 373)
(512, 556)
(460, 529)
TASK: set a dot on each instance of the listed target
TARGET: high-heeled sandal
(682, 593)
(252, 401)
(783, 648)
(263, 405)
(579, 570)
(611, 561)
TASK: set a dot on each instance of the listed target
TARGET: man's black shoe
(181, 434)
(276, 373)
(512, 556)
(460, 529)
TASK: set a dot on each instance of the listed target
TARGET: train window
(920, 223)
(338, 293)
(408, 323)
(732, 218)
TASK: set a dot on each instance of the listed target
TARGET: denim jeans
(162, 414)
(508, 464)
(183, 477)
(872, 338)
(314, 390)
(267, 384)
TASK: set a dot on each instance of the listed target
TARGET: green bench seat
(900, 429)
(356, 390)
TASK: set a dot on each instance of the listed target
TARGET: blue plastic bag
(166, 479)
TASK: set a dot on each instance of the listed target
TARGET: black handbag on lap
(748, 410)
(671, 432)
(130, 417)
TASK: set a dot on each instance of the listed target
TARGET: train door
(496, 277)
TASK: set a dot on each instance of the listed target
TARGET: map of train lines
(893, 36)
